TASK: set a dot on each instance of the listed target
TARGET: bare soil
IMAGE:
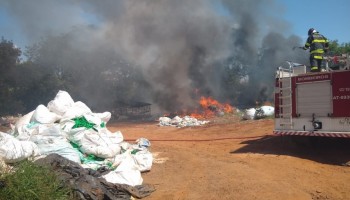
(233, 159)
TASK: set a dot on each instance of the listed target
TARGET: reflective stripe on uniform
(314, 68)
(320, 41)
(317, 51)
(318, 57)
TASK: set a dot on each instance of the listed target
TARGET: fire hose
(205, 140)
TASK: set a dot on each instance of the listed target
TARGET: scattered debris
(181, 122)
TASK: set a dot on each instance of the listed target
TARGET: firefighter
(318, 45)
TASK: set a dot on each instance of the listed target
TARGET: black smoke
(165, 52)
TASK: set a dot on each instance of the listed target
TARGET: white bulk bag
(268, 110)
(249, 113)
(50, 139)
(164, 121)
(103, 144)
(126, 171)
(143, 160)
(44, 116)
(128, 176)
(12, 150)
(105, 116)
(78, 109)
(61, 103)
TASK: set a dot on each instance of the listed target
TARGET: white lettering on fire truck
(345, 121)
(344, 89)
(341, 97)
(313, 78)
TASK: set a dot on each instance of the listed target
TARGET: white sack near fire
(181, 122)
(258, 113)
(72, 130)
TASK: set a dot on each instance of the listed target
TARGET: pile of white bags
(73, 131)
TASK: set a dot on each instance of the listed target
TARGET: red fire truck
(313, 103)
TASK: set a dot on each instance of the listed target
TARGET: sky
(330, 17)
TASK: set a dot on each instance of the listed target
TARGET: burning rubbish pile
(71, 130)
(208, 108)
(258, 113)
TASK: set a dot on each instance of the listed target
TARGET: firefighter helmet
(311, 30)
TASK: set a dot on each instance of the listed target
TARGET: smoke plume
(165, 52)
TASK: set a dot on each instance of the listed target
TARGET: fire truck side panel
(313, 98)
(317, 98)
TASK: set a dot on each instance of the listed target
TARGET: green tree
(337, 48)
(9, 59)
(9, 55)
(35, 85)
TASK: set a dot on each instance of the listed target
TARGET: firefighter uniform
(317, 44)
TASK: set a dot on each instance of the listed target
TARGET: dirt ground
(233, 159)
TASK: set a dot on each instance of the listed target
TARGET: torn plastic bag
(12, 150)
(143, 142)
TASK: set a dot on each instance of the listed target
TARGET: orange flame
(210, 107)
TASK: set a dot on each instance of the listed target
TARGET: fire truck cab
(312, 103)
